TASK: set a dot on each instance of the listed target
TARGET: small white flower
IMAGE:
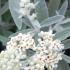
(56, 45)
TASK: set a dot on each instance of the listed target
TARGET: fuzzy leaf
(53, 6)
(52, 20)
(34, 23)
(62, 24)
(3, 39)
(63, 9)
(58, 28)
(66, 43)
(42, 10)
(7, 33)
(62, 65)
(63, 34)
(65, 21)
(14, 8)
(26, 22)
(66, 58)
(65, 25)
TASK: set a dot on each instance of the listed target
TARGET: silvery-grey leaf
(52, 20)
(62, 24)
(6, 33)
(63, 34)
(14, 8)
(3, 39)
(34, 23)
(53, 6)
(62, 65)
(66, 44)
(68, 12)
(58, 28)
(65, 25)
(42, 10)
(27, 22)
(66, 58)
(63, 9)
(65, 21)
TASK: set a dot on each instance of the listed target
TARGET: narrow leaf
(58, 28)
(42, 10)
(66, 43)
(7, 33)
(65, 25)
(14, 5)
(62, 65)
(65, 21)
(53, 6)
(51, 20)
(63, 34)
(32, 23)
(35, 24)
(27, 22)
(3, 39)
(63, 9)
(66, 58)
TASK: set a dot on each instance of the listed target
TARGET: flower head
(27, 8)
(21, 41)
(9, 60)
(48, 51)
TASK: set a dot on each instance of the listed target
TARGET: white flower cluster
(27, 8)
(47, 40)
(16, 50)
(41, 60)
(48, 52)
(9, 60)
(22, 41)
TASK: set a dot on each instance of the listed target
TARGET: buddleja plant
(43, 43)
